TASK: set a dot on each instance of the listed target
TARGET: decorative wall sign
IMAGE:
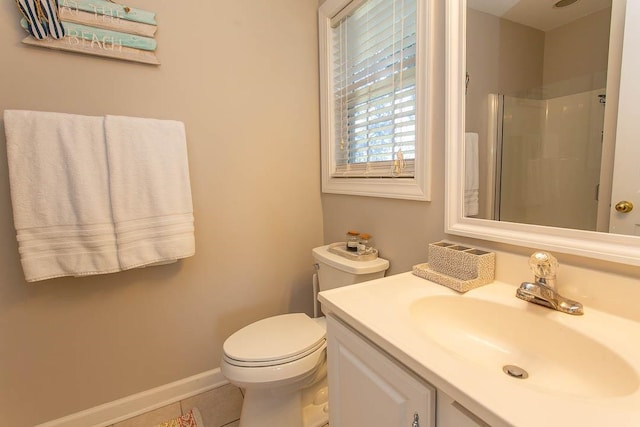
(95, 27)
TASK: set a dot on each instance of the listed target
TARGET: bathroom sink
(582, 370)
(493, 335)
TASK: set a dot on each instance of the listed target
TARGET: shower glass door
(550, 153)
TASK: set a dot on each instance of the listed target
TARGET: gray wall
(243, 77)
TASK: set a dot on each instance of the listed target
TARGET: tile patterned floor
(219, 407)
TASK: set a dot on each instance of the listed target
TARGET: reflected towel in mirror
(471, 174)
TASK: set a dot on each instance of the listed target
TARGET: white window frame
(416, 188)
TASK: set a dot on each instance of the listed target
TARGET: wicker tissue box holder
(457, 267)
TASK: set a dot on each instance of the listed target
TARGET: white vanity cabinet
(369, 389)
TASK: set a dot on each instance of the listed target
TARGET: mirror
(535, 105)
(563, 236)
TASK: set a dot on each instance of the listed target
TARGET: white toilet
(281, 361)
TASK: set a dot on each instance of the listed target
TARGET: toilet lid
(275, 339)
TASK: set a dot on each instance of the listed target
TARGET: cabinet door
(369, 389)
(452, 414)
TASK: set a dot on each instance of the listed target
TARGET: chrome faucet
(543, 290)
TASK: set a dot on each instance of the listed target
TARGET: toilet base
(268, 408)
(316, 413)
(291, 408)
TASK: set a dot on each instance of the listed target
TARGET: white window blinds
(374, 89)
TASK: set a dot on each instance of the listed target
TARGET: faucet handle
(544, 266)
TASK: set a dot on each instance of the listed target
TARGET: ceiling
(540, 14)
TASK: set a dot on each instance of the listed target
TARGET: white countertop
(380, 310)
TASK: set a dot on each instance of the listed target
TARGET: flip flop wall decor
(94, 27)
(31, 11)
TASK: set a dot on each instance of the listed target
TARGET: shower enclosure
(548, 158)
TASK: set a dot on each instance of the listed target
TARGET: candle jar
(364, 244)
(352, 241)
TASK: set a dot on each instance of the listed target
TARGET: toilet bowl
(280, 361)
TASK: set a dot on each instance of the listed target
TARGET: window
(374, 57)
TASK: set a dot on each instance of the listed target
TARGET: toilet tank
(335, 271)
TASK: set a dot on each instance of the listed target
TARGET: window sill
(393, 188)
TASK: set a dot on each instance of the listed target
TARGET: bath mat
(190, 419)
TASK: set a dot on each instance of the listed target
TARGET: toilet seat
(274, 341)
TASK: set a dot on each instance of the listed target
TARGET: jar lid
(352, 233)
(365, 236)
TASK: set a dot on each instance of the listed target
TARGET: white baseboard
(139, 403)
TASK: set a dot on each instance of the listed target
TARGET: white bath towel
(60, 194)
(471, 174)
(150, 190)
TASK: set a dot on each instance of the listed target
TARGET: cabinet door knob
(416, 420)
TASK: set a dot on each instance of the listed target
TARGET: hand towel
(60, 194)
(150, 190)
(471, 174)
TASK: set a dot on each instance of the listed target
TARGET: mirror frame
(610, 247)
